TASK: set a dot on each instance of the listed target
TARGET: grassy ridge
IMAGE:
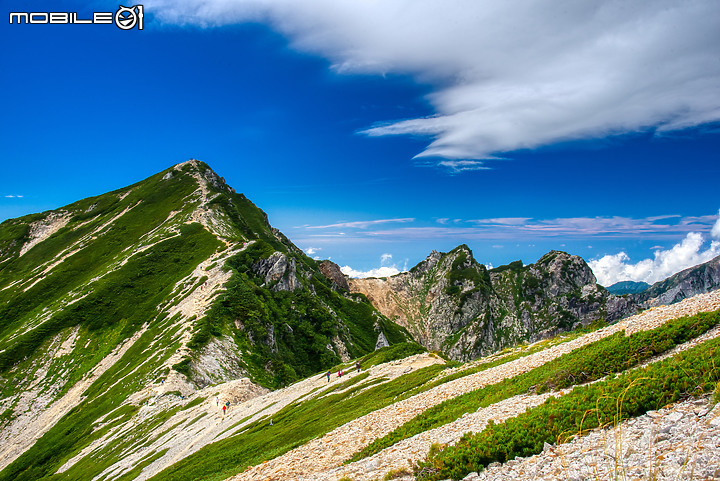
(612, 354)
(17, 307)
(557, 420)
(284, 337)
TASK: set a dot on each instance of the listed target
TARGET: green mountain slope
(519, 402)
(166, 286)
(627, 287)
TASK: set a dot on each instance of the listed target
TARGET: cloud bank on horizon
(506, 75)
(384, 270)
(690, 252)
(700, 244)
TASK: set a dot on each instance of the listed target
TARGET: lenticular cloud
(507, 75)
(690, 252)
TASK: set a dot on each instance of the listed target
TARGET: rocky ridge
(451, 303)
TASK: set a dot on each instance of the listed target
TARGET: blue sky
(374, 132)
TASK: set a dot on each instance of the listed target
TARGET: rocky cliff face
(451, 303)
(332, 271)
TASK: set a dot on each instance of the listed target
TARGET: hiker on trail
(224, 409)
(357, 365)
(328, 376)
(217, 401)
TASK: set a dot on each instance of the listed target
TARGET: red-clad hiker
(224, 409)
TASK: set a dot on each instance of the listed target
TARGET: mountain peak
(450, 302)
(202, 172)
(190, 162)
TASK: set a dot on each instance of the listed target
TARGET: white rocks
(415, 448)
(42, 229)
(674, 443)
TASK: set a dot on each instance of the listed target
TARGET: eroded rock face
(332, 271)
(279, 270)
(451, 303)
(381, 341)
(219, 361)
(42, 229)
(217, 181)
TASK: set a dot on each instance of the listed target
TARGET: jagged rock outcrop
(278, 271)
(381, 341)
(332, 271)
(451, 303)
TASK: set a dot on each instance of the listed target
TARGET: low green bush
(612, 354)
(596, 405)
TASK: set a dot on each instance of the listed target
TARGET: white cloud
(715, 232)
(379, 272)
(13, 196)
(507, 75)
(503, 221)
(454, 166)
(690, 252)
(312, 250)
(512, 228)
(362, 224)
(382, 271)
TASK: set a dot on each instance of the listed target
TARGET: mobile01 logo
(125, 18)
